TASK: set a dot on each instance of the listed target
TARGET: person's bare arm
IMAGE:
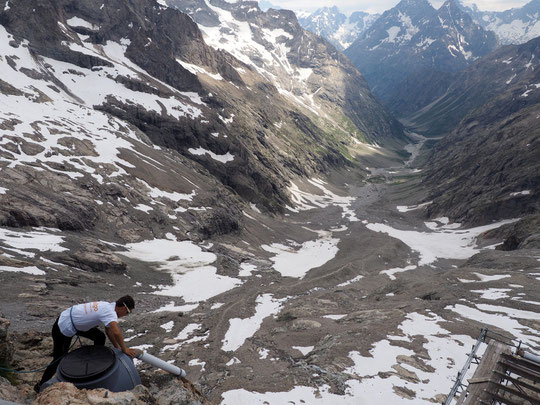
(115, 336)
(112, 337)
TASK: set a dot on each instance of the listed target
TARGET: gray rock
(9, 392)
(6, 347)
(305, 324)
(92, 261)
(169, 390)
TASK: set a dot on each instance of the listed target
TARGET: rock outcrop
(6, 349)
(67, 394)
(524, 234)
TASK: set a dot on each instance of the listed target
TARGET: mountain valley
(286, 239)
(413, 40)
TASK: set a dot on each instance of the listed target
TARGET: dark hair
(127, 300)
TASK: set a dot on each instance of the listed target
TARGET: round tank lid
(87, 363)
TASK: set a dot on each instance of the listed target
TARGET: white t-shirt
(87, 316)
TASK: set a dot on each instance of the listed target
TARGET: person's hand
(131, 352)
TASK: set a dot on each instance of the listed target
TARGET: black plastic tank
(97, 367)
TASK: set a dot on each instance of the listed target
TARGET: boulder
(305, 324)
(8, 392)
(170, 390)
(67, 394)
(100, 261)
(6, 348)
(523, 234)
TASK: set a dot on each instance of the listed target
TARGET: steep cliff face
(74, 107)
(306, 71)
(510, 73)
(487, 168)
(413, 40)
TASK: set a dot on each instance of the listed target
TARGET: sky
(379, 6)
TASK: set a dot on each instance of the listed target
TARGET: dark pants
(62, 344)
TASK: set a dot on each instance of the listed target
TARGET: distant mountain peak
(514, 26)
(403, 4)
(412, 38)
(340, 30)
(452, 9)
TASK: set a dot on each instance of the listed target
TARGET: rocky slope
(184, 95)
(507, 78)
(304, 69)
(340, 30)
(86, 99)
(125, 133)
(494, 107)
(136, 159)
(514, 26)
(412, 41)
(350, 299)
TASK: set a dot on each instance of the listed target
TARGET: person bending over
(83, 320)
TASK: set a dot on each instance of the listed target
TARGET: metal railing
(461, 374)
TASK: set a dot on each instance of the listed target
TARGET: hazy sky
(378, 6)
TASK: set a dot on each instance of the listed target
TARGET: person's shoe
(37, 387)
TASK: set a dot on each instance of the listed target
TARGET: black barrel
(93, 367)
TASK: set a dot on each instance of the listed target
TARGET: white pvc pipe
(154, 361)
(531, 357)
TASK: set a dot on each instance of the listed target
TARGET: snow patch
(246, 269)
(28, 270)
(143, 207)
(404, 208)
(482, 278)
(351, 281)
(188, 265)
(79, 22)
(296, 262)
(390, 272)
(304, 349)
(501, 319)
(524, 192)
(168, 326)
(305, 200)
(445, 354)
(42, 240)
(392, 33)
(228, 157)
(242, 329)
(197, 69)
(493, 293)
(171, 307)
(334, 317)
(440, 244)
